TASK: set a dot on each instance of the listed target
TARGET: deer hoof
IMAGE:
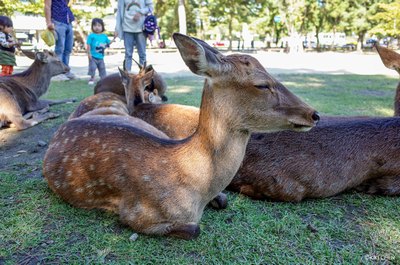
(219, 202)
(185, 231)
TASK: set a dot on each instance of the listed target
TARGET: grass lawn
(37, 227)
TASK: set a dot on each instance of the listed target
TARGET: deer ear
(147, 78)
(29, 54)
(124, 76)
(390, 58)
(201, 58)
(41, 56)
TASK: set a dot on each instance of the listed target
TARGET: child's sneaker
(91, 82)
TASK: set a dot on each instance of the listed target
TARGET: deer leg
(39, 117)
(20, 123)
(29, 115)
(386, 185)
(56, 102)
(219, 202)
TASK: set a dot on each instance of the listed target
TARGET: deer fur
(19, 93)
(161, 186)
(340, 153)
(134, 85)
(112, 83)
(391, 60)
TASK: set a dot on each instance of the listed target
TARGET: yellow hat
(48, 37)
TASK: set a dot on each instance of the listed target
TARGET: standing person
(59, 17)
(97, 42)
(129, 27)
(7, 46)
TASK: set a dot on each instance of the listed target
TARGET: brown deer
(134, 86)
(112, 83)
(391, 60)
(19, 93)
(339, 154)
(161, 186)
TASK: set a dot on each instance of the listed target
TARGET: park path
(170, 63)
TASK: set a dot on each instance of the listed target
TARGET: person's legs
(140, 39)
(128, 43)
(92, 70)
(69, 42)
(10, 69)
(6, 70)
(3, 70)
(61, 29)
(102, 68)
(64, 43)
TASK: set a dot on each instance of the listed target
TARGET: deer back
(331, 158)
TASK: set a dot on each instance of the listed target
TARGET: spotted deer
(339, 154)
(112, 83)
(19, 93)
(161, 186)
(111, 103)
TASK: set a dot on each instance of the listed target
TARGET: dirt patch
(23, 151)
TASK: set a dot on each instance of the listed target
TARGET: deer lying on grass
(112, 83)
(19, 93)
(134, 86)
(340, 153)
(160, 186)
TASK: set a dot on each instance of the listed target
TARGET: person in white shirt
(129, 28)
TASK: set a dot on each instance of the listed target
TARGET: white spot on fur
(92, 167)
(69, 174)
(103, 146)
(146, 178)
(86, 134)
(79, 190)
(65, 159)
(106, 159)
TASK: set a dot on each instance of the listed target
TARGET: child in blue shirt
(97, 42)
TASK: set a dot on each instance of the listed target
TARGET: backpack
(150, 26)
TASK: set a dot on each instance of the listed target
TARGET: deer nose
(315, 117)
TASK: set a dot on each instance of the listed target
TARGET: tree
(227, 12)
(386, 19)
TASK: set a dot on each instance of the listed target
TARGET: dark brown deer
(160, 186)
(19, 93)
(134, 85)
(112, 83)
(339, 154)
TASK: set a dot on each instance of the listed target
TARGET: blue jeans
(134, 39)
(64, 42)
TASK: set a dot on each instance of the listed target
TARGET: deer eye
(263, 87)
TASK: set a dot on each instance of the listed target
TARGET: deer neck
(37, 78)
(218, 138)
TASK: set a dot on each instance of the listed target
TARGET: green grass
(37, 227)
